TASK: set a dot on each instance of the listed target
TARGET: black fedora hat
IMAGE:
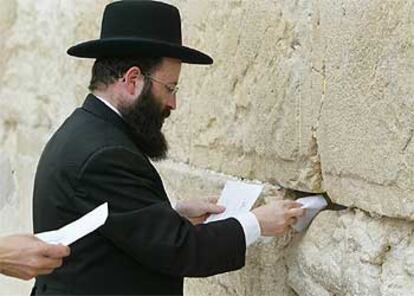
(133, 28)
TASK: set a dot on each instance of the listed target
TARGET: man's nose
(172, 102)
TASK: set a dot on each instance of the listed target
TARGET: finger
(294, 204)
(53, 263)
(215, 209)
(45, 263)
(198, 220)
(56, 251)
(296, 212)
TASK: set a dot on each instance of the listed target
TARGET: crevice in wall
(318, 84)
(288, 192)
(409, 139)
(323, 91)
(316, 127)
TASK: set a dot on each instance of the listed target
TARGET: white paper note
(236, 197)
(313, 205)
(70, 233)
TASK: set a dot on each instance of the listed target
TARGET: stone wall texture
(308, 95)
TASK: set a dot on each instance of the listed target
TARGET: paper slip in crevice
(313, 205)
(236, 197)
(70, 233)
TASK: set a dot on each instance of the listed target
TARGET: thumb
(215, 209)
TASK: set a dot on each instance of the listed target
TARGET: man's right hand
(276, 217)
(25, 256)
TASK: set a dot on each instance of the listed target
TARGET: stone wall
(314, 96)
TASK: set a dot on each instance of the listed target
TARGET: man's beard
(145, 117)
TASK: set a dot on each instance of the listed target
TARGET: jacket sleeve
(142, 223)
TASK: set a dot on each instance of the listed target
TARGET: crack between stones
(216, 173)
(409, 139)
(314, 156)
(322, 72)
(289, 191)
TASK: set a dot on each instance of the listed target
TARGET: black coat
(145, 247)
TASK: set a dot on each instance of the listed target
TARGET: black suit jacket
(145, 247)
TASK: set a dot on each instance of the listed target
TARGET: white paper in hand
(236, 197)
(70, 233)
(313, 205)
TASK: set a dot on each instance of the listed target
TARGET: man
(100, 154)
(24, 256)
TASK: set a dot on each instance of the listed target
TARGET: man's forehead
(170, 68)
(171, 63)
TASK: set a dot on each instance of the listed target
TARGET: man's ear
(133, 78)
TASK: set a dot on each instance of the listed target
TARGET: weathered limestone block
(41, 85)
(251, 114)
(265, 271)
(367, 118)
(352, 253)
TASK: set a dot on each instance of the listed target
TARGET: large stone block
(352, 253)
(41, 84)
(251, 114)
(367, 118)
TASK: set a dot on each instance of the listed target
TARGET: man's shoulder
(119, 158)
(84, 127)
(84, 135)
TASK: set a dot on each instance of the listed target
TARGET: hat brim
(130, 47)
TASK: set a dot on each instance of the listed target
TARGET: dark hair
(107, 70)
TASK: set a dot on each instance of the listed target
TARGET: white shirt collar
(109, 105)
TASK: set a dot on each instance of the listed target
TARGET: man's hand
(276, 217)
(25, 256)
(197, 211)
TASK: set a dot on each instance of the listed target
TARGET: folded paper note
(72, 232)
(236, 197)
(313, 205)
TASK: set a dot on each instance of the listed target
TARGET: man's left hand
(197, 211)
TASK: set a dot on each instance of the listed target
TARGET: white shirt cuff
(250, 225)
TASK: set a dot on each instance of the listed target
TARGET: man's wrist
(257, 219)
